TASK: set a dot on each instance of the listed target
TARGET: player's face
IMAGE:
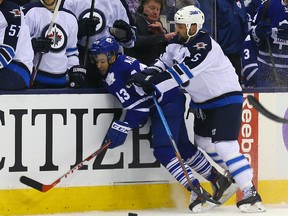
(151, 11)
(1, 1)
(285, 2)
(102, 64)
(181, 31)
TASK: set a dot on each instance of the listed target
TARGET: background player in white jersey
(115, 70)
(59, 45)
(16, 53)
(270, 32)
(197, 63)
(105, 14)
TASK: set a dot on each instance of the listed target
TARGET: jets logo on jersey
(58, 36)
(110, 79)
(16, 13)
(200, 45)
(96, 13)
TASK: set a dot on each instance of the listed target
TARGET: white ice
(271, 210)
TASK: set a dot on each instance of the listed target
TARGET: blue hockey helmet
(105, 45)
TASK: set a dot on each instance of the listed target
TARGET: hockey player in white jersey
(16, 53)
(105, 14)
(270, 32)
(197, 63)
(115, 69)
(59, 65)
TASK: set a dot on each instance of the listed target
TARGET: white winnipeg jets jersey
(64, 52)
(200, 67)
(108, 11)
(16, 36)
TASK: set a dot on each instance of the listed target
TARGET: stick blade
(32, 183)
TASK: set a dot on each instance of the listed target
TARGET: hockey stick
(258, 106)
(87, 37)
(34, 72)
(174, 145)
(45, 187)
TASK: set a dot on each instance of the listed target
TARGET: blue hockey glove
(87, 27)
(283, 31)
(6, 55)
(117, 133)
(77, 76)
(41, 44)
(122, 38)
(262, 31)
(143, 80)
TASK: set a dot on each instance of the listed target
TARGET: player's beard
(182, 39)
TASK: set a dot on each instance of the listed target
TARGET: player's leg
(14, 76)
(226, 121)
(165, 154)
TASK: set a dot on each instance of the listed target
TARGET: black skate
(197, 203)
(251, 202)
(223, 187)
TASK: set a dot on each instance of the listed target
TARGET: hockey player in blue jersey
(59, 66)
(250, 63)
(16, 53)
(197, 63)
(115, 70)
(270, 33)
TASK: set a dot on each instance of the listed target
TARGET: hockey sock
(201, 165)
(237, 164)
(176, 171)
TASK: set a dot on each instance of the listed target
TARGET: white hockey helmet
(190, 15)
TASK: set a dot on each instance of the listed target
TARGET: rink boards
(43, 135)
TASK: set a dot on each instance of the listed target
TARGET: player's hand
(143, 80)
(41, 44)
(283, 31)
(117, 133)
(123, 38)
(262, 31)
(87, 26)
(77, 76)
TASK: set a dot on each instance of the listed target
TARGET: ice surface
(272, 210)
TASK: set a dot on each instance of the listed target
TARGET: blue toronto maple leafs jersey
(249, 62)
(275, 12)
(133, 99)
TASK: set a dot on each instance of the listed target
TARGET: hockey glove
(87, 27)
(262, 31)
(152, 70)
(6, 55)
(77, 76)
(41, 44)
(118, 35)
(117, 133)
(283, 31)
(143, 80)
